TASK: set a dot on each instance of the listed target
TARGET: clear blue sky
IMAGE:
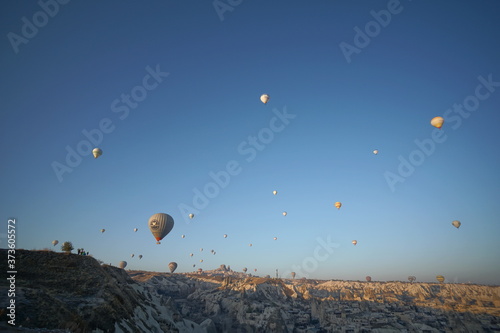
(335, 97)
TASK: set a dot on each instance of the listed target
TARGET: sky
(170, 91)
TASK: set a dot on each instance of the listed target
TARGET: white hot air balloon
(183, 236)
(225, 236)
(354, 242)
(97, 152)
(264, 98)
(275, 192)
(191, 254)
(135, 229)
(284, 213)
(55, 242)
(191, 216)
(437, 122)
(375, 151)
(122, 264)
(275, 238)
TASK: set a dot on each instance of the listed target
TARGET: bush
(67, 247)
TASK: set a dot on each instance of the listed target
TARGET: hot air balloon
(194, 265)
(275, 238)
(103, 230)
(172, 266)
(191, 216)
(97, 152)
(191, 255)
(375, 151)
(338, 205)
(437, 122)
(264, 98)
(135, 229)
(411, 278)
(200, 270)
(201, 249)
(201, 260)
(122, 264)
(255, 269)
(275, 192)
(440, 278)
(354, 242)
(55, 242)
(160, 225)
(132, 255)
(212, 250)
(250, 244)
(284, 213)
(183, 236)
(140, 256)
(293, 275)
(225, 236)
(245, 270)
(456, 224)
(368, 278)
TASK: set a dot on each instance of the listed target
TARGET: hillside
(74, 293)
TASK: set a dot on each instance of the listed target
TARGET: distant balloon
(225, 236)
(215, 252)
(212, 251)
(411, 278)
(275, 192)
(264, 98)
(245, 270)
(132, 255)
(122, 264)
(172, 266)
(255, 270)
(201, 249)
(135, 229)
(354, 242)
(375, 151)
(440, 278)
(250, 244)
(55, 242)
(275, 238)
(191, 216)
(338, 205)
(160, 225)
(437, 122)
(183, 236)
(368, 278)
(194, 265)
(285, 213)
(456, 224)
(103, 230)
(200, 270)
(293, 275)
(140, 256)
(201, 260)
(97, 152)
(191, 255)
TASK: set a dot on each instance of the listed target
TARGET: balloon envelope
(354, 242)
(55, 242)
(285, 213)
(264, 98)
(97, 152)
(456, 224)
(275, 192)
(191, 216)
(437, 122)
(103, 230)
(225, 236)
(135, 229)
(122, 264)
(140, 256)
(160, 225)
(172, 266)
(245, 270)
(338, 205)
(440, 278)
(375, 151)
(368, 278)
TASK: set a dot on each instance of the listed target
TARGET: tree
(67, 247)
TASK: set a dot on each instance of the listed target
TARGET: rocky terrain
(69, 293)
